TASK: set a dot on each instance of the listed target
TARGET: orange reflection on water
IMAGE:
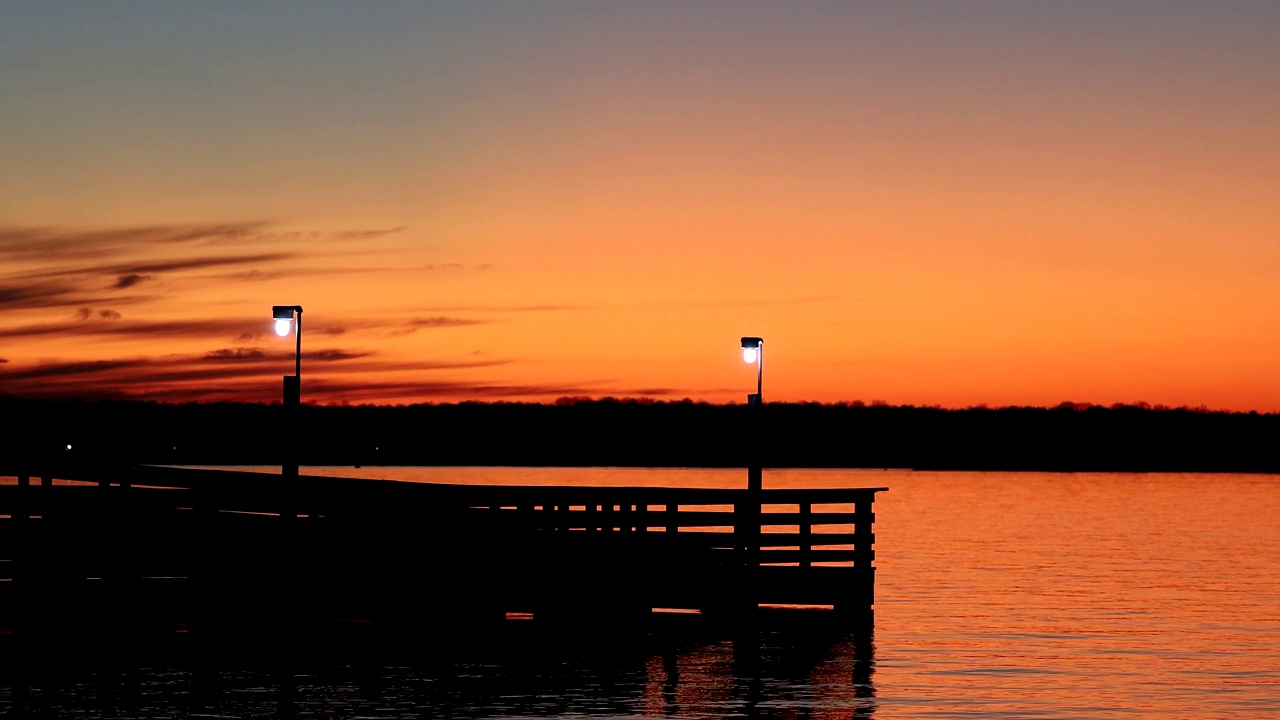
(1004, 595)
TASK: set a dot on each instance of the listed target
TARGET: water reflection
(763, 674)
(1010, 595)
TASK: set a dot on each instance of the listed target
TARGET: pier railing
(811, 546)
(204, 540)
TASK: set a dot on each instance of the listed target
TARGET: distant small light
(282, 326)
(68, 447)
(748, 355)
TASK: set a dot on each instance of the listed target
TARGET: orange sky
(947, 203)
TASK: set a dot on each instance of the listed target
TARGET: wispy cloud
(433, 322)
(90, 325)
(47, 295)
(64, 252)
(501, 308)
(269, 234)
(259, 275)
(673, 304)
(348, 235)
(31, 292)
(65, 369)
(110, 323)
(244, 372)
(86, 313)
(236, 354)
(251, 354)
(129, 280)
(762, 302)
(131, 273)
(440, 321)
(42, 242)
(46, 242)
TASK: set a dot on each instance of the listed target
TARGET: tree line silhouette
(643, 432)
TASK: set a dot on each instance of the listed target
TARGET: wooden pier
(148, 551)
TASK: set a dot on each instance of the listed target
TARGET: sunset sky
(950, 203)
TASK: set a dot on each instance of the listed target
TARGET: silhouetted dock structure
(142, 552)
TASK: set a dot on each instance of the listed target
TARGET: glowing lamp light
(753, 354)
(284, 316)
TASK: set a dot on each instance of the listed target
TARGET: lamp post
(284, 317)
(753, 352)
(748, 511)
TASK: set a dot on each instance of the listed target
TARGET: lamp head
(751, 349)
(283, 315)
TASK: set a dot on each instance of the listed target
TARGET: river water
(998, 595)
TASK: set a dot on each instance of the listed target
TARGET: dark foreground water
(999, 595)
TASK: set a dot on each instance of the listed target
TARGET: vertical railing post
(806, 535)
(863, 595)
(746, 530)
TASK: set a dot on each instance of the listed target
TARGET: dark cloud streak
(135, 328)
(42, 242)
(218, 374)
(244, 354)
(142, 269)
(432, 322)
(128, 281)
(85, 324)
(417, 324)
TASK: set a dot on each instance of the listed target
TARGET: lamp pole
(753, 352)
(285, 316)
(297, 349)
(748, 511)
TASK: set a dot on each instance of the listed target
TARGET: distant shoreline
(613, 433)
